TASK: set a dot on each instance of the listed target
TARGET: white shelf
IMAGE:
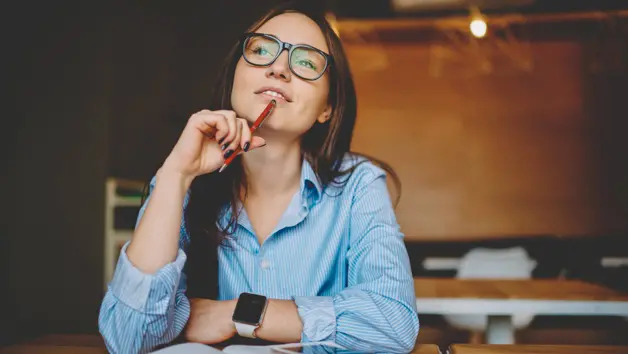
(115, 238)
(449, 263)
(122, 237)
(126, 201)
(614, 262)
(441, 263)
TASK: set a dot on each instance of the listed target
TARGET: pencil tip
(222, 168)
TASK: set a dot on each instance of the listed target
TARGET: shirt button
(265, 264)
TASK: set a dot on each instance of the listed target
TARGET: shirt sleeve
(142, 311)
(377, 311)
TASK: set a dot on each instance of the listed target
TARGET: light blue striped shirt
(339, 256)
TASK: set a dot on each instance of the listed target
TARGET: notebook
(197, 348)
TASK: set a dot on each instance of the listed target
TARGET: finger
(236, 141)
(257, 142)
(245, 139)
(209, 124)
(222, 128)
(231, 121)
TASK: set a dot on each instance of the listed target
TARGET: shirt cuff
(133, 287)
(318, 316)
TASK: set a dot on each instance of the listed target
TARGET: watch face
(249, 308)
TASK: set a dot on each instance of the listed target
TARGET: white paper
(188, 348)
(197, 348)
(280, 348)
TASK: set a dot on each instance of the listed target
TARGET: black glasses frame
(290, 48)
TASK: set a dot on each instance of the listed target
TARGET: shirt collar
(311, 188)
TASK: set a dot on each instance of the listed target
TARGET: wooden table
(426, 349)
(536, 349)
(501, 299)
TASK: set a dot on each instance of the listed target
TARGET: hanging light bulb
(478, 28)
(478, 24)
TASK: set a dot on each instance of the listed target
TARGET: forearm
(139, 311)
(281, 322)
(155, 241)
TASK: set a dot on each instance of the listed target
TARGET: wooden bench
(535, 349)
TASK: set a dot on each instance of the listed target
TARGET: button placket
(259, 269)
(265, 268)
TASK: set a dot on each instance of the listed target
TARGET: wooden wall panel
(485, 155)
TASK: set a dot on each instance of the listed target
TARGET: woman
(308, 247)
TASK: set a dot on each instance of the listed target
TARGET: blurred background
(506, 121)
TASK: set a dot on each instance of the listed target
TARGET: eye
(306, 64)
(261, 51)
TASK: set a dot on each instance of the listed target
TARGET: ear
(324, 117)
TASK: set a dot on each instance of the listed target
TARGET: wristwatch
(249, 313)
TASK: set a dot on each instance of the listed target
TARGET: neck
(273, 169)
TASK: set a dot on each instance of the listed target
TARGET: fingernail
(247, 145)
(224, 147)
(221, 140)
(228, 153)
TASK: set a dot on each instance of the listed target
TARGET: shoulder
(360, 172)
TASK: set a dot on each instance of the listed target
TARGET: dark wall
(96, 90)
(61, 91)
(166, 57)
(499, 154)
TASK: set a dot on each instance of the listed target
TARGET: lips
(274, 92)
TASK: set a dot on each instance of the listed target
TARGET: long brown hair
(324, 146)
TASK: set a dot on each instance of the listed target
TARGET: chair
(485, 263)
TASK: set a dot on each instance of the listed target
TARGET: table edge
(464, 306)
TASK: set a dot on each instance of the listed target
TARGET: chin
(278, 127)
(273, 125)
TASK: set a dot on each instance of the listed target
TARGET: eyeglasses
(307, 62)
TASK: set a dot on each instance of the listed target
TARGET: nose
(280, 69)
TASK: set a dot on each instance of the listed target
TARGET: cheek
(317, 99)
(240, 83)
(309, 110)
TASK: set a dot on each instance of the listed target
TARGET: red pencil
(267, 111)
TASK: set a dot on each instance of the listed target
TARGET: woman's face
(303, 102)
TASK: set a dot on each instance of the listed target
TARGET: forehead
(295, 28)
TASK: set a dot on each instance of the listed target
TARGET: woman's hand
(207, 140)
(210, 321)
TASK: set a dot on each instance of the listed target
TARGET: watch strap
(245, 330)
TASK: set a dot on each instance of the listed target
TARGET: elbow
(406, 341)
(406, 346)
(404, 331)
(126, 330)
(118, 328)
(107, 330)
(398, 336)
